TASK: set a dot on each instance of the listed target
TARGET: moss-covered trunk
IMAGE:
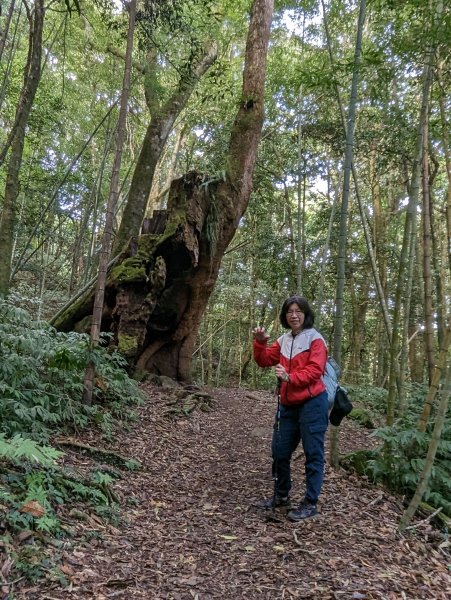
(157, 291)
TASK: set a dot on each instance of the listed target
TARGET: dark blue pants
(306, 422)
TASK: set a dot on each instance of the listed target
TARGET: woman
(299, 357)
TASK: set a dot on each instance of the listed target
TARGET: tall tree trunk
(446, 149)
(15, 141)
(341, 263)
(4, 33)
(437, 375)
(156, 136)
(438, 240)
(111, 205)
(339, 297)
(158, 289)
(320, 292)
(427, 252)
(408, 244)
(301, 201)
(435, 439)
(376, 276)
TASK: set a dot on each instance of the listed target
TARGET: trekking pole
(277, 430)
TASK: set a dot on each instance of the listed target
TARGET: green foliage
(22, 448)
(400, 459)
(32, 489)
(41, 379)
(370, 397)
(363, 417)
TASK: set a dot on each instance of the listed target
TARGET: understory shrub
(399, 461)
(41, 378)
(41, 385)
(33, 490)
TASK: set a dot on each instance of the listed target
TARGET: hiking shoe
(282, 502)
(304, 511)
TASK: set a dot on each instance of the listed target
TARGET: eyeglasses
(294, 313)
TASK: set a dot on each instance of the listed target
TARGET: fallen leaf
(33, 508)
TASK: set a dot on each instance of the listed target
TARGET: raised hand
(260, 335)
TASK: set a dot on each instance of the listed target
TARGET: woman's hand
(281, 373)
(260, 335)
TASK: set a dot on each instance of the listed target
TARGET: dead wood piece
(182, 407)
(433, 513)
(106, 455)
(252, 396)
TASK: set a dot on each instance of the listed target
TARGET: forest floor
(189, 530)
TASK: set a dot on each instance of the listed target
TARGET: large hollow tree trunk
(157, 291)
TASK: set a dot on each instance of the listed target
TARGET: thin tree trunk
(112, 201)
(427, 252)
(408, 244)
(301, 200)
(377, 280)
(322, 277)
(339, 302)
(446, 150)
(16, 140)
(437, 375)
(433, 444)
(341, 263)
(438, 237)
(4, 33)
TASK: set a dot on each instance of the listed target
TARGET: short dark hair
(303, 305)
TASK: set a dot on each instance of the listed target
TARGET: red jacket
(304, 357)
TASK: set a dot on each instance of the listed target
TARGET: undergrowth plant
(400, 459)
(41, 378)
(33, 490)
(41, 384)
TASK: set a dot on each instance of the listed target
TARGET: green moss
(75, 311)
(129, 271)
(146, 245)
(127, 344)
(363, 417)
(139, 375)
(84, 326)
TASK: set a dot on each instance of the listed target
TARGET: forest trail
(189, 531)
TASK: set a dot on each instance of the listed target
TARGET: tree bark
(111, 206)
(427, 257)
(154, 142)
(16, 139)
(341, 262)
(4, 33)
(440, 419)
(157, 291)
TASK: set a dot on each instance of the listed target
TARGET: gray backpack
(330, 380)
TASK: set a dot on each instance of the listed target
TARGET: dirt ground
(189, 531)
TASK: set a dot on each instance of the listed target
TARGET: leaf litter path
(189, 531)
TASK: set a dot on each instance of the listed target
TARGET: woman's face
(295, 317)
